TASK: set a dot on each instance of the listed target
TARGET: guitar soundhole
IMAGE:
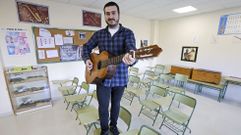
(99, 65)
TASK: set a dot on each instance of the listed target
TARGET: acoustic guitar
(104, 65)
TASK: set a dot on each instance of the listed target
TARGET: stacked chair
(69, 89)
(157, 102)
(165, 96)
(164, 81)
(133, 88)
(175, 118)
(145, 130)
(133, 71)
(148, 77)
(80, 98)
(63, 82)
(157, 93)
(147, 80)
(159, 69)
(88, 115)
(179, 84)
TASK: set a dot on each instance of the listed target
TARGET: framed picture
(144, 43)
(91, 18)
(32, 13)
(189, 53)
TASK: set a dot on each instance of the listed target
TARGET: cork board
(52, 44)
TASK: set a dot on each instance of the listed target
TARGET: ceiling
(158, 9)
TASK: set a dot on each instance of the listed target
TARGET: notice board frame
(80, 37)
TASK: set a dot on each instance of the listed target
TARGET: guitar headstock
(148, 52)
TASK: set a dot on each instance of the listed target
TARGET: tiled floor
(209, 118)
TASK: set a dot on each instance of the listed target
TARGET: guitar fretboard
(141, 53)
(112, 61)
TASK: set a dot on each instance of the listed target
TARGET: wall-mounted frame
(32, 13)
(189, 53)
(17, 41)
(230, 24)
(55, 45)
(144, 43)
(91, 18)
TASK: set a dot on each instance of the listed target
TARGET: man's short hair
(112, 4)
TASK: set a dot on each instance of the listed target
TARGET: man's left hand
(128, 59)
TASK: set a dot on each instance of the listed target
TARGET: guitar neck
(141, 53)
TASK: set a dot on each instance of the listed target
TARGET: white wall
(5, 104)
(215, 52)
(69, 18)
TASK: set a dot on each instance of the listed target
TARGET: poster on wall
(91, 18)
(45, 42)
(229, 24)
(17, 41)
(32, 13)
(70, 53)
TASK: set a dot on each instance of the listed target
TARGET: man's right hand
(89, 64)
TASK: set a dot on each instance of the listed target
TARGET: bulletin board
(59, 45)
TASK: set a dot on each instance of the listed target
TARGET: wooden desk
(233, 80)
(220, 87)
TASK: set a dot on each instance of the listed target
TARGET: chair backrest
(145, 130)
(155, 90)
(160, 66)
(125, 116)
(184, 99)
(148, 74)
(159, 69)
(84, 86)
(165, 78)
(133, 81)
(93, 96)
(180, 79)
(75, 82)
(133, 70)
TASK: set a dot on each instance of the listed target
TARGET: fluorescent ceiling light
(184, 9)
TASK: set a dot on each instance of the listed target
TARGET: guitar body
(104, 66)
(97, 74)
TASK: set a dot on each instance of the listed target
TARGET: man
(186, 54)
(116, 40)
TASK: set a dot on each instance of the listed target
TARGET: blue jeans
(104, 95)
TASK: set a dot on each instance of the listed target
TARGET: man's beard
(112, 25)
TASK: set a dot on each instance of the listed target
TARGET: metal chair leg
(67, 105)
(141, 110)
